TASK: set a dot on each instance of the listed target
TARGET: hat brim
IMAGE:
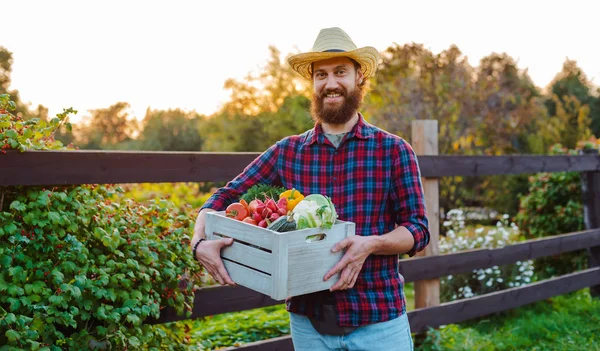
(366, 57)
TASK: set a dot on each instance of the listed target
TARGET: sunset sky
(178, 54)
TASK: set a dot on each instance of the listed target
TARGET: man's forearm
(398, 241)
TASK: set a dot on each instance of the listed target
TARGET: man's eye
(342, 71)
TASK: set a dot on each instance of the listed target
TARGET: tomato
(253, 205)
(236, 211)
(249, 221)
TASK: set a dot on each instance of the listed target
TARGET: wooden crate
(278, 264)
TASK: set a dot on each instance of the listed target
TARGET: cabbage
(314, 211)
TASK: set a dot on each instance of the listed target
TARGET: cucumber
(283, 224)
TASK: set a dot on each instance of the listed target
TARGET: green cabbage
(314, 211)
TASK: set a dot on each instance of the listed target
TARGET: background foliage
(81, 270)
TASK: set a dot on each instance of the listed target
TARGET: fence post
(590, 189)
(425, 142)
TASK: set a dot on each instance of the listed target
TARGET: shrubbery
(461, 237)
(80, 270)
(553, 206)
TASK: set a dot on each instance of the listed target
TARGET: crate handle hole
(315, 238)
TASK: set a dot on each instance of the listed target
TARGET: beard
(336, 115)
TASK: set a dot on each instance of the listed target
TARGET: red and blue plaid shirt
(373, 179)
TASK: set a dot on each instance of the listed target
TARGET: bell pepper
(293, 196)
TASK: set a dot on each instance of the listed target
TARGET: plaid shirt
(373, 179)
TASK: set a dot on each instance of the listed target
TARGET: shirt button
(334, 178)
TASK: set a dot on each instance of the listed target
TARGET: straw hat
(334, 42)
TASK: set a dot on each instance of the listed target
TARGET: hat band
(335, 50)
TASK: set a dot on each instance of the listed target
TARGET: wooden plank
(590, 186)
(465, 309)
(425, 142)
(215, 300)
(113, 167)
(249, 278)
(415, 269)
(443, 166)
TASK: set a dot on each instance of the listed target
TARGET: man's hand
(209, 255)
(358, 248)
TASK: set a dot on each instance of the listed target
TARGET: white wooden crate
(278, 264)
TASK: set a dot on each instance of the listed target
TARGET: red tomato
(249, 221)
(253, 205)
(236, 211)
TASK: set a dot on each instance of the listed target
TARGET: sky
(177, 54)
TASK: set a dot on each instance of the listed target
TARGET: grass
(568, 322)
(234, 329)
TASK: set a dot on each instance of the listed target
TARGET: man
(372, 178)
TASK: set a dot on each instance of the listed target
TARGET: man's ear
(359, 77)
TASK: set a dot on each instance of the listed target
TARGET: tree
(262, 109)
(106, 128)
(266, 91)
(572, 82)
(171, 130)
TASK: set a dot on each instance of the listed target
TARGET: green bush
(81, 271)
(463, 237)
(553, 206)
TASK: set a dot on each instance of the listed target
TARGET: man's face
(337, 94)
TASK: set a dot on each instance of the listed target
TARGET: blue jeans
(385, 336)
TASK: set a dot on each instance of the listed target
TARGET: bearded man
(373, 179)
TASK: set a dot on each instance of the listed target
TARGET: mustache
(332, 91)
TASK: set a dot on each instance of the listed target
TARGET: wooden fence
(111, 167)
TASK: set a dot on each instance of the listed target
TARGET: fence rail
(112, 167)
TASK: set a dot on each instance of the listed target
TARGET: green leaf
(11, 133)
(15, 304)
(133, 319)
(133, 341)
(10, 228)
(136, 294)
(18, 206)
(15, 290)
(5, 260)
(54, 217)
(38, 286)
(12, 335)
(58, 276)
(10, 318)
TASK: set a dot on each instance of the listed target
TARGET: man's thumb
(340, 245)
(227, 241)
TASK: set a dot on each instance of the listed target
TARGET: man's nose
(332, 83)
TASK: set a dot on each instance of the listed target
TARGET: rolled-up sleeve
(408, 196)
(262, 170)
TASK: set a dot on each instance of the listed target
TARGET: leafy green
(262, 191)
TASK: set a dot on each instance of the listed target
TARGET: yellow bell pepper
(293, 196)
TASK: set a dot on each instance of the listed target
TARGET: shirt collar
(361, 130)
